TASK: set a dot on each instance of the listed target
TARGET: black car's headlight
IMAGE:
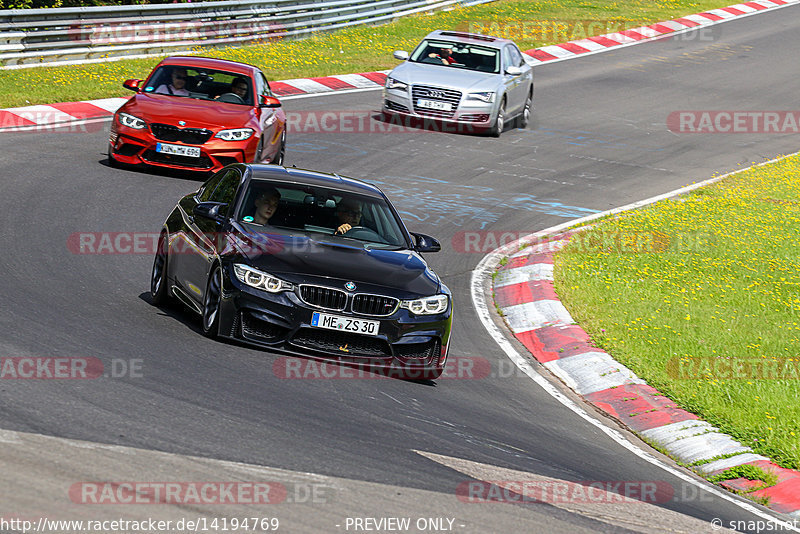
(132, 122)
(486, 96)
(391, 83)
(427, 305)
(235, 134)
(259, 279)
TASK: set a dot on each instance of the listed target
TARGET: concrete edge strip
(50, 116)
(607, 384)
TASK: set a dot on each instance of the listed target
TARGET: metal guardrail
(38, 37)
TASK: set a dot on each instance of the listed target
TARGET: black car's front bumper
(414, 346)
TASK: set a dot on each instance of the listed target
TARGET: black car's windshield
(303, 210)
(203, 84)
(457, 55)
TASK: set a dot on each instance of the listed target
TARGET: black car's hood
(301, 259)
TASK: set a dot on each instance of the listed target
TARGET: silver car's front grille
(435, 94)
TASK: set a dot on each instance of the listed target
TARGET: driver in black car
(348, 212)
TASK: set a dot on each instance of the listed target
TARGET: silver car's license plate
(345, 324)
(178, 150)
(434, 104)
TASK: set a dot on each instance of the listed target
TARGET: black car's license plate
(345, 324)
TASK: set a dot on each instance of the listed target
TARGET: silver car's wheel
(525, 117)
(500, 121)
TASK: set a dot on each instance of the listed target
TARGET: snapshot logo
(721, 368)
(67, 368)
(206, 492)
(558, 31)
(49, 121)
(734, 122)
(590, 242)
(371, 122)
(563, 492)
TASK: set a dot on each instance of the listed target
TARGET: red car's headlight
(235, 134)
(131, 121)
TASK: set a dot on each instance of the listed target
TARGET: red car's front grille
(190, 136)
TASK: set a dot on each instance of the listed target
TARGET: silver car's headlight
(235, 134)
(427, 305)
(487, 96)
(391, 83)
(132, 122)
(259, 279)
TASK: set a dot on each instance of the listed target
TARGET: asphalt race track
(598, 140)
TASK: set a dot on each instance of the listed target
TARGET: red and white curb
(45, 117)
(525, 295)
(660, 30)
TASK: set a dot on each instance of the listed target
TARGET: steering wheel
(365, 234)
(231, 98)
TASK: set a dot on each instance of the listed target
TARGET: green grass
(750, 472)
(360, 49)
(700, 296)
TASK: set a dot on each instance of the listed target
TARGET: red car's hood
(197, 113)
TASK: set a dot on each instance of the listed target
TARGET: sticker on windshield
(247, 218)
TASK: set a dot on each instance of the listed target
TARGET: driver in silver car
(349, 214)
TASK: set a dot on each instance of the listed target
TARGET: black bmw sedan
(309, 263)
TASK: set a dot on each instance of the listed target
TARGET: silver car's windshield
(457, 55)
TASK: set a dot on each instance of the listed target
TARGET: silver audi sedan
(479, 82)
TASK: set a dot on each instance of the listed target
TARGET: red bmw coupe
(199, 114)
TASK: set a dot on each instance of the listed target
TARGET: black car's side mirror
(210, 210)
(425, 243)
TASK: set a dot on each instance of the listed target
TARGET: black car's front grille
(435, 94)
(394, 106)
(376, 305)
(418, 351)
(341, 343)
(264, 330)
(171, 159)
(323, 297)
(191, 136)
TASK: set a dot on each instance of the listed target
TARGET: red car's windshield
(203, 84)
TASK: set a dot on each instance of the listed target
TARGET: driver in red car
(349, 214)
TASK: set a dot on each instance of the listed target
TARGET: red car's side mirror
(132, 84)
(270, 102)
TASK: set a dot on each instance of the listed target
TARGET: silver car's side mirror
(402, 55)
(513, 71)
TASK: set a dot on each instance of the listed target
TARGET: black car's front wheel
(211, 303)
(158, 278)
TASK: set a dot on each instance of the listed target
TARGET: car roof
(210, 63)
(312, 178)
(471, 38)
